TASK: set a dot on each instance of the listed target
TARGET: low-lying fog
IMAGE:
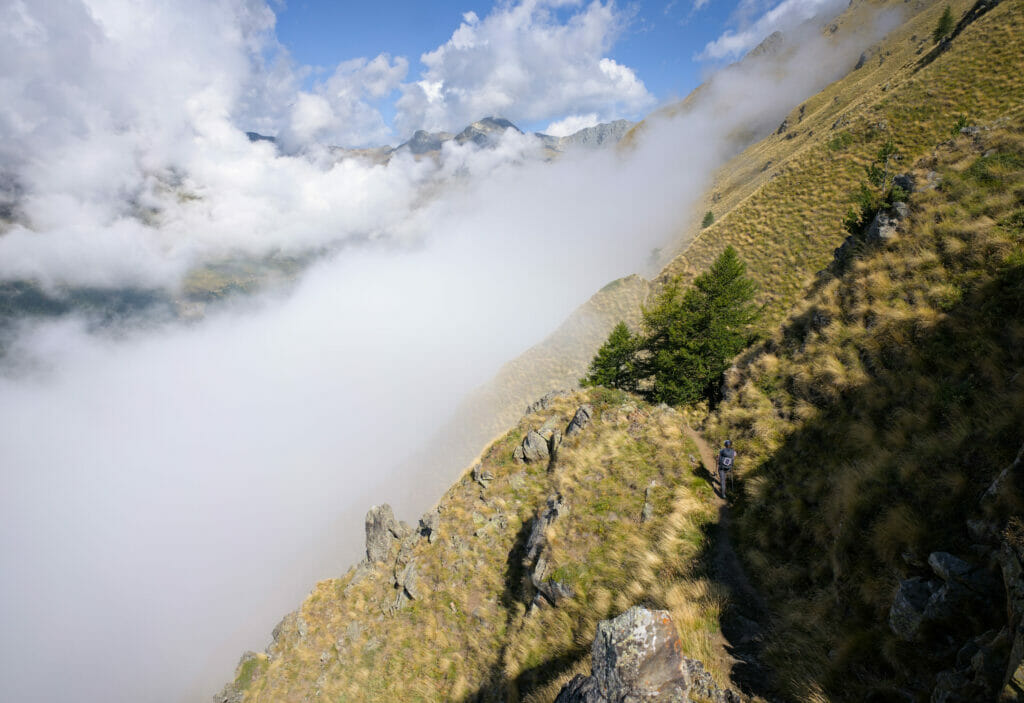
(169, 491)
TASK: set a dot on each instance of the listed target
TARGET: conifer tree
(614, 366)
(693, 335)
(945, 26)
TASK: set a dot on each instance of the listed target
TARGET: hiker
(726, 459)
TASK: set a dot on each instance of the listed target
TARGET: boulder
(638, 657)
(381, 531)
(885, 223)
(904, 181)
(534, 448)
(430, 525)
(580, 420)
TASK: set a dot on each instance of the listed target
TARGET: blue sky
(659, 43)
(632, 55)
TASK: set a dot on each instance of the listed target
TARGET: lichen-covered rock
(381, 531)
(638, 657)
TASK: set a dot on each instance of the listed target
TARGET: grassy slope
(471, 636)
(874, 419)
(785, 220)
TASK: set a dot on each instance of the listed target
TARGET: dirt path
(741, 628)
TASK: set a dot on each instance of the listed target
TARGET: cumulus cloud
(571, 124)
(170, 491)
(343, 109)
(522, 63)
(734, 43)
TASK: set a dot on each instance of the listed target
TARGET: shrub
(709, 218)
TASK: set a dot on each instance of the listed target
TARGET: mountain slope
(873, 423)
(480, 625)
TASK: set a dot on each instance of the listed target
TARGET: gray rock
(580, 420)
(638, 657)
(883, 227)
(430, 525)
(905, 181)
(582, 689)
(381, 531)
(958, 573)
(906, 616)
(948, 567)
(408, 580)
(863, 59)
(482, 477)
(535, 447)
(544, 402)
(539, 585)
(647, 512)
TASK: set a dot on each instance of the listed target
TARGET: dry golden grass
(785, 222)
(471, 634)
(892, 420)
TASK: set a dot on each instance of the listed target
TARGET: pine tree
(614, 366)
(709, 219)
(693, 335)
(945, 26)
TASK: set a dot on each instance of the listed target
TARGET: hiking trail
(744, 615)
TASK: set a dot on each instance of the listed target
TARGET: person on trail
(726, 460)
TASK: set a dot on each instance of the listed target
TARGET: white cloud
(700, 4)
(571, 125)
(341, 109)
(522, 63)
(733, 44)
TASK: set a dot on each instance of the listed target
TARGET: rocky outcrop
(604, 134)
(485, 132)
(886, 222)
(922, 603)
(430, 525)
(534, 448)
(381, 530)
(638, 657)
(580, 420)
(544, 402)
(481, 476)
(541, 587)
